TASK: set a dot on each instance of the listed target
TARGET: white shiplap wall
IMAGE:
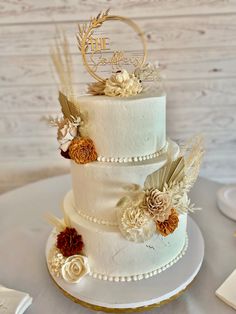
(194, 40)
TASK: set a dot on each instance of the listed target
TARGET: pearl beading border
(145, 275)
(96, 220)
(133, 159)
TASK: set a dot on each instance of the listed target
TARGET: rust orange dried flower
(82, 150)
(169, 225)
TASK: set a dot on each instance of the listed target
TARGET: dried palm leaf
(173, 171)
(68, 108)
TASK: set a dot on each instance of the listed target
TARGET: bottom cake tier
(112, 257)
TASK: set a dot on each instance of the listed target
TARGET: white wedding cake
(126, 215)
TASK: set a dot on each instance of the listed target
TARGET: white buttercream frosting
(125, 127)
(145, 275)
(133, 159)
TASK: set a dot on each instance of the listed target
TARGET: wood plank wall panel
(161, 33)
(28, 11)
(194, 41)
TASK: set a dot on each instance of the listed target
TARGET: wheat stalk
(85, 31)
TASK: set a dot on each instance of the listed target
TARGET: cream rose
(74, 268)
(66, 132)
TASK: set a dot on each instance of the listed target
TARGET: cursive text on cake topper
(94, 48)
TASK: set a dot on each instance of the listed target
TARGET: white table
(23, 234)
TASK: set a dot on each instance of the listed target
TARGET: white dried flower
(134, 222)
(74, 268)
(55, 261)
(158, 204)
(67, 130)
(122, 84)
(149, 71)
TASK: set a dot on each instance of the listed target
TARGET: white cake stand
(140, 295)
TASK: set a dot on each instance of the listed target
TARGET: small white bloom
(122, 84)
(66, 132)
(74, 268)
(121, 76)
(55, 260)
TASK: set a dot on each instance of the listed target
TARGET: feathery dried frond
(148, 71)
(51, 121)
(193, 153)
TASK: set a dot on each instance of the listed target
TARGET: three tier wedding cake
(125, 218)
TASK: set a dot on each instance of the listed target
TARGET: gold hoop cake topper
(86, 40)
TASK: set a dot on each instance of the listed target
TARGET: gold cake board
(178, 277)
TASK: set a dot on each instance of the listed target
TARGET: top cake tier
(125, 127)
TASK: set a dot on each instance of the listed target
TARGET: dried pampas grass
(193, 152)
(61, 59)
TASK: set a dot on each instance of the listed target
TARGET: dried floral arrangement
(155, 207)
(122, 83)
(73, 145)
(142, 212)
(66, 258)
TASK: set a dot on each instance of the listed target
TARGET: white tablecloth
(23, 234)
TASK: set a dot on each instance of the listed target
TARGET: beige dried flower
(158, 204)
(97, 88)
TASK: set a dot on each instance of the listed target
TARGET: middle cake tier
(98, 186)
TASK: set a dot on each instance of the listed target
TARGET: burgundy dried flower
(65, 154)
(69, 242)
